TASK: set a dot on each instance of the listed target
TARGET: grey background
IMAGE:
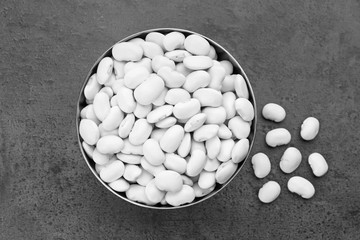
(304, 55)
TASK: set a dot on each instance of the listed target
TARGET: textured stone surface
(304, 55)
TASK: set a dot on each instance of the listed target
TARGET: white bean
(197, 45)
(215, 115)
(158, 133)
(101, 105)
(195, 122)
(185, 195)
(119, 69)
(274, 112)
(171, 77)
(126, 125)
(199, 192)
(318, 164)
(225, 150)
(112, 171)
(176, 95)
(145, 62)
(153, 193)
(89, 150)
(100, 158)
(108, 91)
(89, 131)
(149, 90)
(127, 51)
(104, 69)
(151, 168)
(309, 128)
(166, 122)
(92, 87)
(277, 137)
(228, 83)
(239, 127)
(135, 77)
(155, 37)
(144, 178)
(137, 193)
(160, 100)
(196, 163)
(177, 55)
(151, 49)
(245, 109)
(261, 165)
(224, 132)
(129, 158)
(217, 74)
(240, 150)
(120, 185)
(140, 132)
(104, 132)
(213, 147)
(185, 110)
(198, 62)
(187, 180)
(205, 132)
(159, 113)
(180, 67)
(131, 149)
(153, 153)
(290, 160)
(227, 65)
(132, 172)
(141, 111)
(206, 179)
(173, 40)
(301, 186)
(211, 164)
(169, 181)
(113, 119)
(175, 162)
(172, 138)
(208, 97)
(229, 104)
(109, 144)
(125, 100)
(241, 87)
(225, 171)
(160, 61)
(197, 146)
(269, 192)
(185, 145)
(196, 80)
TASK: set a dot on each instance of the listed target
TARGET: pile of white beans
(290, 159)
(165, 120)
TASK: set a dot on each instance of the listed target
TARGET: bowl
(222, 55)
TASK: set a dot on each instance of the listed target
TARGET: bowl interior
(222, 55)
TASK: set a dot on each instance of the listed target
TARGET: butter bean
(175, 162)
(104, 132)
(120, 185)
(208, 97)
(137, 193)
(309, 128)
(155, 37)
(227, 65)
(137, 41)
(185, 110)
(99, 167)
(290, 160)
(109, 144)
(197, 45)
(158, 133)
(100, 158)
(212, 54)
(205, 132)
(113, 101)
(129, 158)
(240, 150)
(273, 112)
(261, 165)
(145, 62)
(180, 67)
(269, 192)
(108, 91)
(88, 149)
(172, 78)
(172, 138)
(213, 147)
(160, 61)
(206, 179)
(245, 109)
(151, 168)
(187, 180)
(132, 149)
(160, 100)
(185, 146)
(241, 87)
(104, 69)
(169, 181)
(185, 195)
(176, 95)
(225, 150)
(224, 132)
(166, 122)
(125, 100)
(173, 40)
(197, 146)
(217, 74)
(141, 111)
(151, 49)
(144, 178)
(215, 115)
(135, 77)
(127, 51)
(177, 55)
(119, 69)
(239, 127)
(113, 119)
(101, 105)
(198, 62)
(159, 113)
(153, 193)
(92, 87)
(225, 171)
(195, 122)
(301, 186)
(196, 80)
(132, 172)
(89, 131)
(196, 163)
(148, 91)
(229, 104)
(153, 153)
(112, 171)
(199, 192)
(140, 132)
(228, 83)
(277, 137)
(126, 125)
(318, 164)
(211, 164)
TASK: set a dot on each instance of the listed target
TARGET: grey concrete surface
(304, 55)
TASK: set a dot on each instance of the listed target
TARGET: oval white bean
(120, 185)
(185, 195)
(229, 104)
(160, 100)
(92, 87)
(227, 65)
(166, 122)
(100, 158)
(101, 105)
(159, 113)
(240, 150)
(151, 168)
(197, 45)
(245, 109)
(274, 112)
(151, 49)
(196, 80)
(185, 146)
(155, 37)
(215, 115)
(239, 127)
(198, 62)
(277, 137)
(109, 144)
(135, 77)
(206, 179)
(119, 69)
(241, 87)
(177, 55)
(129, 158)
(269, 192)
(173, 40)
(158, 133)
(89, 150)
(140, 132)
(228, 83)
(208, 97)
(153, 193)
(224, 132)
(197, 146)
(261, 165)
(169, 181)
(176, 95)
(144, 178)
(205, 132)
(309, 128)
(141, 111)
(104, 69)
(89, 131)
(153, 153)
(199, 192)
(113, 119)
(125, 100)
(195, 122)
(225, 150)
(217, 74)
(225, 172)
(290, 160)
(301, 186)
(137, 193)
(213, 147)
(126, 125)
(196, 163)
(132, 149)
(145, 62)
(212, 53)
(175, 162)
(149, 90)
(161, 61)
(185, 110)
(211, 164)
(112, 171)
(127, 51)
(318, 164)
(171, 77)
(172, 138)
